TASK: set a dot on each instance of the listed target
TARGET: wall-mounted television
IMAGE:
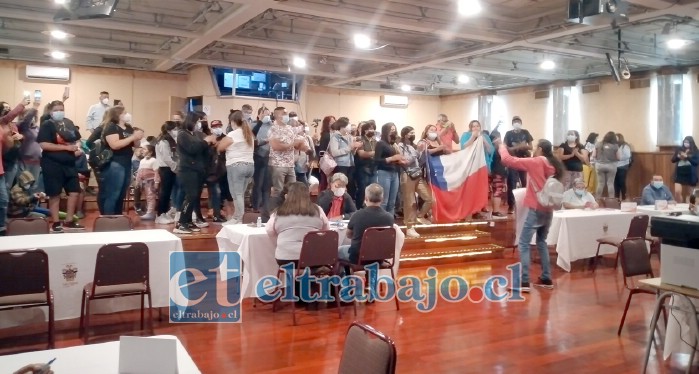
(256, 83)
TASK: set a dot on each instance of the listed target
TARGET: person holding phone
(96, 111)
(7, 140)
(30, 150)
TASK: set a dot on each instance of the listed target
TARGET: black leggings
(167, 183)
(620, 182)
(192, 182)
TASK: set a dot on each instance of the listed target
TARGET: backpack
(100, 155)
(551, 195)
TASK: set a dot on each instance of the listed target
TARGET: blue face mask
(657, 184)
(58, 116)
(579, 192)
(266, 119)
(285, 119)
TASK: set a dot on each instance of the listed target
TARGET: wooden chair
(24, 283)
(634, 262)
(610, 203)
(112, 223)
(367, 351)
(637, 229)
(120, 270)
(250, 217)
(378, 246)
(27, 226)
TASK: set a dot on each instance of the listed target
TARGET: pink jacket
(538, 170)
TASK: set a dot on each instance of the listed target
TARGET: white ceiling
(425, 44)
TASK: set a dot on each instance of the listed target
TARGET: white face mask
(686, 145)
(173, 134)
(579, 192)
(285, 119)
(571, 138)
(339, 191)
(432, 135)
(307, 130)
(218, 131)
(127, 118)
(517, 125)
(266, 119)
(198, 127)
(105, 101)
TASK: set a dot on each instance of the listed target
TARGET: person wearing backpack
(542, 196)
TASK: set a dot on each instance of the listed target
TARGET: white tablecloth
(78, 251)
(93, 358)
(650, 211)
(257, 252)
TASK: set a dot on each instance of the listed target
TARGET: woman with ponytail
(239, 146)
(538, 220)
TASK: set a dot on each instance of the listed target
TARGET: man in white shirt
(578, 197)
(96, 112)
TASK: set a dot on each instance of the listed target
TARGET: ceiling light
(463, 79)
(61, 2)
(405, 88)
(362, 41)
(58, 55)
(469, 7)
(547, 65)
(58, 34)
(299, 62)
(677, 43)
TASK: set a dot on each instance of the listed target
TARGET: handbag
(100, 154)
(327, 162)
(414, 172)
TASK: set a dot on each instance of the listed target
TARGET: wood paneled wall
(645, 165)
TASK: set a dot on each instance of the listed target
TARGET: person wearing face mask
(388, 163)
(519, 143)
(412, 180)
(8, 141)
(336, 203)
(578, 197)
(262, 181)
(166, 158)
(283, 141)
(365, 168)
(96, 111)
(573, 155)
(447, 132)
(238, 146)
(656, 190)
(30, 150)
(687, 158)
(606, 155)
(302, 159)
(324, 142)
(247, 116)
(342, 147)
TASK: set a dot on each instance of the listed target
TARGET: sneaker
(80, 215)
(177, 216)
(148, 216)
(194, 217)
(57, 227)
(182, 229)
(424, 221)
(544, 283)
(510, 210)
(201, 224)
(192, 227)
(498, 214)
(171, 212)
(411, 233)
(219, 219)
(523, 288)
(164, 219)
(73, 226)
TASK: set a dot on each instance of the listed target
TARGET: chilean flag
(459, 183)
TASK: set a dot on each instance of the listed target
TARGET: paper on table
(139, 355)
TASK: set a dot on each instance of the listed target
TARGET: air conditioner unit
(48, 73)
(394, 101)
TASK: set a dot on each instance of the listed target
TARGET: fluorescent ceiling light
(299, 62)
(61, 2)
(469, 7)
(548, 65)
(362, 41)
(463, 79)
(58, 34)
(677, 43)
(58, 55)
(405, 88)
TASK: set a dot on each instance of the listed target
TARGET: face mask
(192, 126)
(686, 145)
(579, 192)
(173, 133)
(370, 133)
(339, 191)
(105, 101)
(58, 116)
(344, 131)
(127, 118)
(198, 126)
(266, 119)
(307, 130)
(26, 186)
(293, 118)
(393, 137)
(285, 119)
(657, 184)
(571, 138)
(432, 135)
(218, 131)
(517, 125)
(247, 116)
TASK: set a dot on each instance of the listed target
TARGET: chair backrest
(27, 226)
(250, 217)
(112, 223)
(634, 257)
(638, 226)
(319, 248)
(23, 272)
(367, 351)
(121, 263)
(611, 203)
(378, 243)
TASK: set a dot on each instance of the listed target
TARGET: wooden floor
(569, 329)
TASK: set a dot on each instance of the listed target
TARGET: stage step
(433, 241)
(450, 255)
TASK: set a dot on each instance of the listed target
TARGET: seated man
(656, 190)
(578, 197)
(336, 202)
(370, 216)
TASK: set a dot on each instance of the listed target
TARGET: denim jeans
(239, 177)
(390, 181)
(4, 200)
(11, 175)
(116, 178)
(281, 176)
(365, 177)
(214, 197)
(178, 194)
(537, 222)
(263, 183)
(192, 183)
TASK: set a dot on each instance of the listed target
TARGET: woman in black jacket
(388, 163)
(336, 202)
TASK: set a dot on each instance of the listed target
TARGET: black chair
(24, 283)
(637, 229)
(112, 223)
(367, 351)
(250, 217)
(634, 262)
(27, 226)
(611, 203)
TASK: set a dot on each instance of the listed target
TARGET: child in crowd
(25, 203)
(148, 180)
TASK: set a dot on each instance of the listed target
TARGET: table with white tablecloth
(72, 259)
(650, 210)
(257, 249)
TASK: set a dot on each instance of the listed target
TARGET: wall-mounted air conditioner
(394, 101)
(48, 73)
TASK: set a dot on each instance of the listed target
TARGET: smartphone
(27, 95)
(37, 95)
(66, 92)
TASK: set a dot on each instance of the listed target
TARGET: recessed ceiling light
(548, 65)
(469, 7)
(58, 34)
(406, 88)
(463, 79)
(61, 2)
(58, 55)
(362, 41)
(677, 43)
(299, 62)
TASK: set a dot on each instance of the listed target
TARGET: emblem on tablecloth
(70, 272)
(605, 228)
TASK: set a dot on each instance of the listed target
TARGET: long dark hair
(404, 135)
(325, 127)
(592, 138)
(547, 151)
(692, 144)
(166, 128)
(609, 138)
(577, 137)
(386, 132)
(191, 120)
(298, 202)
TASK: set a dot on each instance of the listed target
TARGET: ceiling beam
(77, 49)
(236, 17)
(493, 71)
(651, 4)
(685, 10)
(278, 69)
(646, 61)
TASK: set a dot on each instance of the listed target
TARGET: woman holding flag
(467, 139)
(412, 180)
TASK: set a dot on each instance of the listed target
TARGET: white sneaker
(177, 216)
(200, 224)
(164, 219)
(148, 216)
(411, 233)
(172, 212)
(424, 221)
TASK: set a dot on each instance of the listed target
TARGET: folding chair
(637, 229)
(367, 351)
(634, 262)
(112, 223)
(27, 226)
